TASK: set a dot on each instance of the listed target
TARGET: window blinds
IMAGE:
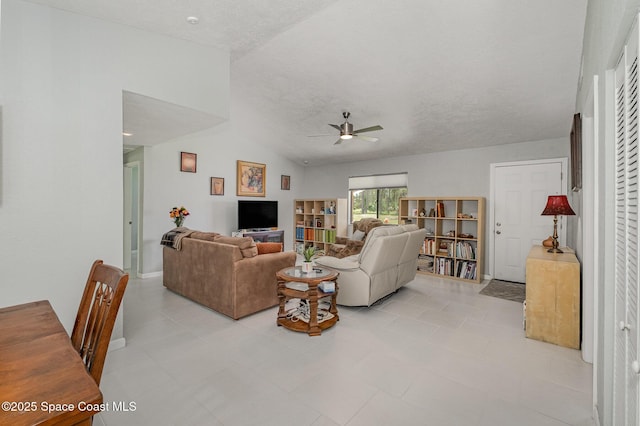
(392, 180)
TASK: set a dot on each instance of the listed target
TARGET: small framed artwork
(188, 162)
(217, 186)
(576, 153)
(251, 179)
(285, 182)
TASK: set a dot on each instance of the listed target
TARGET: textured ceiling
(237, 26)
(437, 75)
(151, 121)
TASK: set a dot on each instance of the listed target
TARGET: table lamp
(557, 205)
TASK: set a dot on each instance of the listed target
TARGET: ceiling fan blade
(335, 126)
(368, 129)
(320, 136)
(338, 142)
(366, 138)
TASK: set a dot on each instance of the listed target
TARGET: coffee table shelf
(312, 295)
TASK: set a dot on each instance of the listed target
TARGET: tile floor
(435, 353)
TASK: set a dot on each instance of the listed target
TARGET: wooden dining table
(43, 380)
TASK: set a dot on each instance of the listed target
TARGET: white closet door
(632, 242)
(626, 379)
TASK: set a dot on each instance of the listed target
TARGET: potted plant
(308, 253)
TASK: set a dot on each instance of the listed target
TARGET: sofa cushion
(264, 248)
(246, 244)
(378, 232)
(394, 229)
(206, 236)
(358, 235)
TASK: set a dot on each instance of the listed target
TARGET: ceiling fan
(347, 132)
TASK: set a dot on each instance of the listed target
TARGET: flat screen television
(257, 214)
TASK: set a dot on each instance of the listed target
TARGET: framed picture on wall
(217, 186)
(285, 182)
(188, 162)
(251, 179)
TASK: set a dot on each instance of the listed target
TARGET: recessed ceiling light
(193, 20)
(127, 134)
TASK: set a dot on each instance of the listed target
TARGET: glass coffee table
(304, 306)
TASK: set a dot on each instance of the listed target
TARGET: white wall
(245, 138)
(62, 77)
(451, 173)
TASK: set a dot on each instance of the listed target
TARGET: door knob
(498, 232)
(623, 326)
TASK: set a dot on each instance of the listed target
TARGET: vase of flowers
(178, 215)
(308, 253)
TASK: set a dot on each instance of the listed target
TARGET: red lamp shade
(558, 205)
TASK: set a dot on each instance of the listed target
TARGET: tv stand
(264, 235)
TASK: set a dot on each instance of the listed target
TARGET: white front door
(520, 194)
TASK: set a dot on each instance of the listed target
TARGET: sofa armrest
(344, 264)
(256, 285)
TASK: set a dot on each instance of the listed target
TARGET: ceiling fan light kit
(347, 132)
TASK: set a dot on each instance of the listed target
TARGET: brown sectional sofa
(223, 273)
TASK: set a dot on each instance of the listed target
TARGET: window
(377, 196)
(381, 203)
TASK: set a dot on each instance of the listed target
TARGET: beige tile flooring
(435, 353)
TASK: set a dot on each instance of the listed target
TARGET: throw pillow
(357, 235)
(264, 248)
(246, 244)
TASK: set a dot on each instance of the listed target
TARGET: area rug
(505, 290)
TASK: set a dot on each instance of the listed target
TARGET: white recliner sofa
(388, 260)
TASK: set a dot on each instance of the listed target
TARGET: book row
(461, 249)
(443, 266)
(320, 235)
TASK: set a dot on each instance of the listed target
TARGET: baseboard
(117, 344)
(150, 274)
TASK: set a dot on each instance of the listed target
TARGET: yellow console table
(553, 297)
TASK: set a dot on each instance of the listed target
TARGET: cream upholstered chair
(345, 246)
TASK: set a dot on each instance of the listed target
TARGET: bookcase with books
(454, 243)
(317, 222)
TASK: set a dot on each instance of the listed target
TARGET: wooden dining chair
(97, 315)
